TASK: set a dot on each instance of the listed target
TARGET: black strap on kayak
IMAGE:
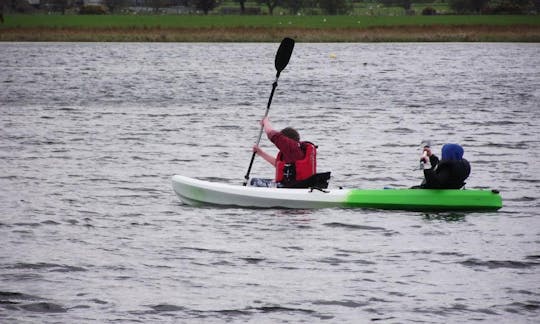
(317, 188)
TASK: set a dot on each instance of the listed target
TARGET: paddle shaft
(281, 60)
(274, 86)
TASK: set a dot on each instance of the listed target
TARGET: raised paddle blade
(284, 54)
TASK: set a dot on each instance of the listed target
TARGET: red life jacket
(299, 170)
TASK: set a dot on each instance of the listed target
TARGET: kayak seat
(318, 180)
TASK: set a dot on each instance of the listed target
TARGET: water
(91, 231)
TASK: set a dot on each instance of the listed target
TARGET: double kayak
(199, 192)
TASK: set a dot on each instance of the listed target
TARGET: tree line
(330, 7)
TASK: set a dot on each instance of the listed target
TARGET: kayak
(199, 192)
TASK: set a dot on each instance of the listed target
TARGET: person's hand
(424, 158)
(425, 155)
(256, 149)
(264, 121)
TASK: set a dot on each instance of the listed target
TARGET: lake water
(91, 231)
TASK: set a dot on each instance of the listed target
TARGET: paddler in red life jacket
(296, 162)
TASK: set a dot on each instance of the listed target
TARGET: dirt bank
(438, 33)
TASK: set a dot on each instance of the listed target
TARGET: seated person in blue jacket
(449, 172)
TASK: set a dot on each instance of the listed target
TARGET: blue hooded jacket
(452, 152)
(451, 172)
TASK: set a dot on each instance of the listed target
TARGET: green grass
(194, 21)
(264, 28)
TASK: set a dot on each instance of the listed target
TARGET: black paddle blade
(284, 54)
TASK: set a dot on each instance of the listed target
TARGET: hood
(452, 152)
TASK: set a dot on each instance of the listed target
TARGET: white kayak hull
(197, 192)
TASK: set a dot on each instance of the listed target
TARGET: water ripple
(91, 231)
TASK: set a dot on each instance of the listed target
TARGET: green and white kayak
(198, 192)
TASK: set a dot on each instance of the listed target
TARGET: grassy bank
(185, 28)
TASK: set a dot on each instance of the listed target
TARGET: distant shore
(437, 33)
(153, 28)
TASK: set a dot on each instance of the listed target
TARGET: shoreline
(421, 33)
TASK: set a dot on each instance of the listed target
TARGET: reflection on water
(92, 232)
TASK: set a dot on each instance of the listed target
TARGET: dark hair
(291, 133)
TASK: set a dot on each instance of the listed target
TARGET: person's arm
(268, 129)
(429, 157)
(433, 160)
(436, 179)
(259, 151)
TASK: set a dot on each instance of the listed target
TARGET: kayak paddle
(283, 56)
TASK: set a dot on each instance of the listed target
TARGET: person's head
(452, 152)
(291, 133)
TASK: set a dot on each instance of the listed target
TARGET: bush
(93, 10)
(334, 7)
(506, 7)
(467, 6)
(429, 11)
(19, 6)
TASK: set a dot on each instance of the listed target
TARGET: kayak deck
(198, 192)
(425, 199)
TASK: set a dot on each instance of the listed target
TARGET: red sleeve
(290, 148)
